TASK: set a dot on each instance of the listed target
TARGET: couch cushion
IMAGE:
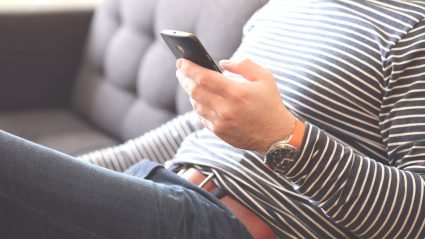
(59, 129)
(127, 82)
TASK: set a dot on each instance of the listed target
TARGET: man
(345, 151)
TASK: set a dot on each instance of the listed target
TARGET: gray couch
(77, 84)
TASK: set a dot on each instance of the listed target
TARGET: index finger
(206, 78)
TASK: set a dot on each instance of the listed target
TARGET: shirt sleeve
(159, 145)
(371, 199)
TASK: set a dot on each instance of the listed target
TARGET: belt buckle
(182, 173)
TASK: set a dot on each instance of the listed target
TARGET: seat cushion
(126, 83)
(58, 129)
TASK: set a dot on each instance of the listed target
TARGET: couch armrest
(40, 48)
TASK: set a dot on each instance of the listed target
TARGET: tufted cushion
(127, 82)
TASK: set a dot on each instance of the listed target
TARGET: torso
(329, 59)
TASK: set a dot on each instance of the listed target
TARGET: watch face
(281, 157)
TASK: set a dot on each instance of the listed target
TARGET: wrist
(294, 134)
(282, 153)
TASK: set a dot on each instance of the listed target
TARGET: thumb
(244, 67)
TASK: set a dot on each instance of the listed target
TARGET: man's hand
(247, 114)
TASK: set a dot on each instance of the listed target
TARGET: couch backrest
(127, 84)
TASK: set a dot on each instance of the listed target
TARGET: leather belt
(255, 225)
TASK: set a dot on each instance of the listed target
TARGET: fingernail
(179, 63)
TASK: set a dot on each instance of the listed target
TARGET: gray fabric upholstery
(39, 57)
(58, 129)
(129, 74)
(126, 83)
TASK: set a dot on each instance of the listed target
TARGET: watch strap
(297, 136)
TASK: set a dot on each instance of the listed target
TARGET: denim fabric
(47, 194)
(157, 173)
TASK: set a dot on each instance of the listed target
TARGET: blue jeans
(47, 194)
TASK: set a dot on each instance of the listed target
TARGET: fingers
(206, 115)
(208, 124)
(246, 68)
(208, 79)
(197, 92)
(201, 109)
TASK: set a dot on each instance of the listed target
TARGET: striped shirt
(355, 72)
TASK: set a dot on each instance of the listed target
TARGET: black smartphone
(187, 45)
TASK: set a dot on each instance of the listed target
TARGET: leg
(46, 194)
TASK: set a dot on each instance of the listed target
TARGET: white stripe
(380, 213)
(399, 215)
(272, 44)
(413, 196)
(276, 67)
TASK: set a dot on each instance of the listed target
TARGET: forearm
(158, 145)
(366, 197)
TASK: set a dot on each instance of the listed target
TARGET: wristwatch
(281, 155)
